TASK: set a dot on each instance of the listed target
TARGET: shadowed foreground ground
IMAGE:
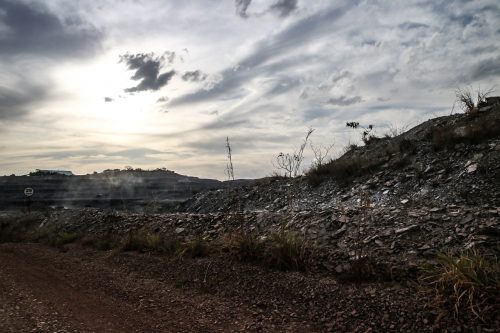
(44, 289)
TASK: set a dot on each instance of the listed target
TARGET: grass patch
(51, 237)
(286, 251)
(469, 283)
(245, 246)
(282, 250)
(14, 229)
(143, 241)
(194, 248)
(104, 242)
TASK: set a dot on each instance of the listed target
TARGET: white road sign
(28, 191)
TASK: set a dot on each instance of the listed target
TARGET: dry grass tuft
(288, 252)
(469, 283)
(246, 246)
(143, 241)
(194, 248)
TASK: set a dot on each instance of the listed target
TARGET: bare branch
(290, 163)
(229, 166)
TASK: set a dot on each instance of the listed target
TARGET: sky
(88, 85)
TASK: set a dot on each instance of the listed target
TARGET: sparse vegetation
(468, 283)
(143, 241)
(51, 237)
(283, 250)
(321, 153)
(105, 242)
(474, 131)
(343, 169)
(14, 229)
(470, 105)
(286, 251)
(367, 135)
(246, 246)
(290, 163)
(194, 248)
(229, 166)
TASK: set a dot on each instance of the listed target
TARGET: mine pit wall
(129, 191)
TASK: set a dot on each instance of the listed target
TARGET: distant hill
(120, 189)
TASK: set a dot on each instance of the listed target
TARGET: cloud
(108, 99)
(344, 100)
(487, 68)
(147, 70)
(412, 25)
(317, 113)
(242, 7)
(194, 76)
(19, 101)
(260, 61)
(280, 8)
(134, 153)
(283, 8)
(162, 99)
(31, 29)
(241, 142)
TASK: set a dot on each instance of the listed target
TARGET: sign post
(28, 192)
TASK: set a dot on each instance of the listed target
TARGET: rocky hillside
(451, 160)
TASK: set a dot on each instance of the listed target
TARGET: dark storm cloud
(284, 7)
(15, 103)
(271, 48)
(242, 7)
(344, 100)
(147, 68)
(194, 76)
(31, 29)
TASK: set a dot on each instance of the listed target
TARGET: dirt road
(44, 289)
